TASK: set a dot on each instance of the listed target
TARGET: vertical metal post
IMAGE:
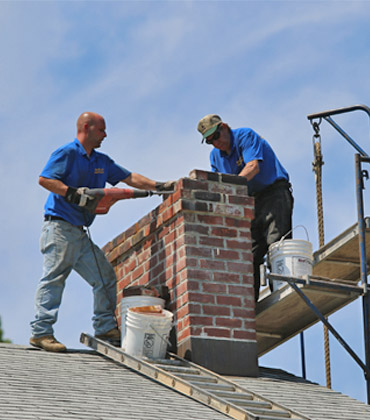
(303, 356)
(363, 260)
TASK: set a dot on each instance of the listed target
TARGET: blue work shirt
(247, 145)
(71, 165)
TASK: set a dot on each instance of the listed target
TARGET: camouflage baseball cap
(208, 125)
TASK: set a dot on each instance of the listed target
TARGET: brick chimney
(197, 242)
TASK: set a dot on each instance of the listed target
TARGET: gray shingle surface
(314, 401)
(81, 385)
(84, 385)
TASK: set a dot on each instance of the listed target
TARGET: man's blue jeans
(66, 247)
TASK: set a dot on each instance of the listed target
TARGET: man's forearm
(53, 185)
(250, 170)
(139, 181)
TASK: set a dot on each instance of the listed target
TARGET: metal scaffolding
(361, 157)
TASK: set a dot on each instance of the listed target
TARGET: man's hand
(80, 196)
(165, 186)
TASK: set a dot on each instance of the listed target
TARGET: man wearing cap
(243, 152)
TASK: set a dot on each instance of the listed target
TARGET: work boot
(112, 336)
(48, 343)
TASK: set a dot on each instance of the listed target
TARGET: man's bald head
(89, 118)
(90, 130)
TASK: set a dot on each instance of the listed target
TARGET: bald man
(64, 242)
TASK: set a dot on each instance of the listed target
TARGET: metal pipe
(330, 327)
(303, 355)
(363, 260)
(361, 221)
(337, 111)
(313, 282)
(346, 136)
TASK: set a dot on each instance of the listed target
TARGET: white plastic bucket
(147, 333)
(291, 257)
(135, 301)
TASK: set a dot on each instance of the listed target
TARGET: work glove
(165, 186)
(80, 196)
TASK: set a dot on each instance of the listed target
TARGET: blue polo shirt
(71, 165)
(247, 145)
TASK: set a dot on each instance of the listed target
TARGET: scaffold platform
(334, 284)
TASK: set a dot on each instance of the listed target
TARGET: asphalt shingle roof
(314, 401)
(81, 385)
(38, 385)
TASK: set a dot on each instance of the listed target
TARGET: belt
(280, 183)
(49, 218)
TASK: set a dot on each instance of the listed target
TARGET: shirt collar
(82, 151)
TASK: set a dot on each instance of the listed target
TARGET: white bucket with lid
(290, 257)
(135, 301)
(147, 333)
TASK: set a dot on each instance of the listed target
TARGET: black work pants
(273, 220)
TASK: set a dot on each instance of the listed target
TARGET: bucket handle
(291, 230)
(159, 335)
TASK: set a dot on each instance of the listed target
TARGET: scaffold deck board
(340, 258)
(283, 314)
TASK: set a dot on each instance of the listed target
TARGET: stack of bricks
(197, 242)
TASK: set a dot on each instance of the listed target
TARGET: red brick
(181, 312)
(228, 322)
(228, 210)
(204, 230)
(246, 335)
(212, 264)
(170, 238)
(226, 254)
(210, 220)
(248, 213)
(196, 331)
(239, 290)
(182, 334)
(240, 267)
(200, 320)
(220, 231)
(137, 273)
(218, 332)
(249, 325)
(221, 188)
(130, 266)
(234, 244)
(244, 312)
(199, 274)
(214, 288)
(211, 241)
(237, 223)
(199, 252)
(204, 175)
(226, 277)
(144, 279)
(192, 184)
(229, 300)
(239, 200)
(200, 297)
(216, 310)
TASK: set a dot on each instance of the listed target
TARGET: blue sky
(153, 69)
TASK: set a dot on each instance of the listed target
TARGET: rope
(317, 168)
